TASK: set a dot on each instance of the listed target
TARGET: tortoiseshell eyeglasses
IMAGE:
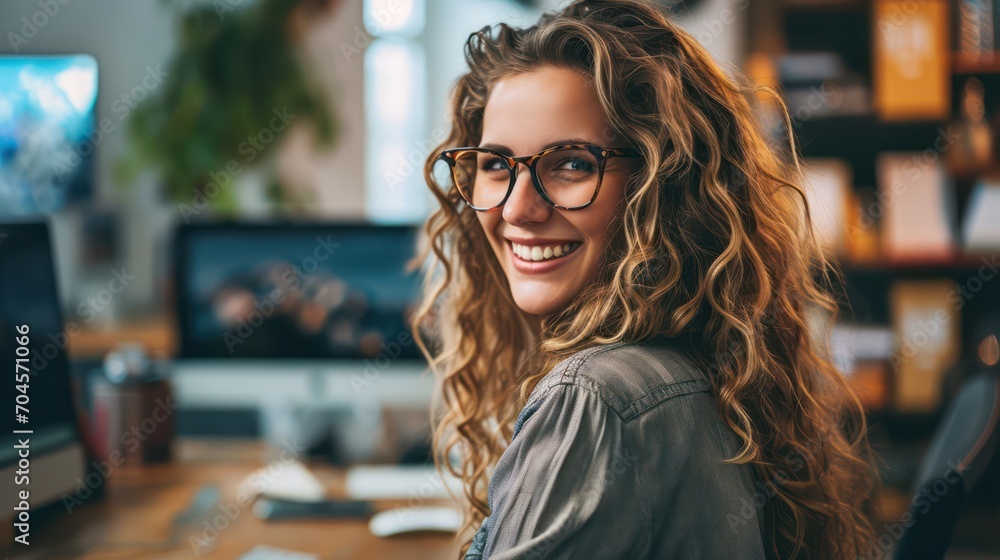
(567, 177)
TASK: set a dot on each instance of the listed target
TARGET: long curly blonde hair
(714, 249)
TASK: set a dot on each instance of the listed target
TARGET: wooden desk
(157, 335)
(140, 507)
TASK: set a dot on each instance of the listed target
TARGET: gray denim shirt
(620, 453)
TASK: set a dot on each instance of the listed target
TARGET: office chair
(962, 449)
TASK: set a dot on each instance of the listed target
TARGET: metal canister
(133, 418)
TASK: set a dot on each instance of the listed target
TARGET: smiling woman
(548, 227)
(626, 369)
(529, 112)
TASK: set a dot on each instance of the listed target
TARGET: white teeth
(540, 253)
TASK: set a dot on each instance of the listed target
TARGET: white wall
(449, 24)
(335, 176)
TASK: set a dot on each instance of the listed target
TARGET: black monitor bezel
(42, 228)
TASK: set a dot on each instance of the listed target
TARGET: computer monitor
(47, 131)
(295, 291)
(41, 448)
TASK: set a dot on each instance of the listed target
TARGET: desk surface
(141, 505)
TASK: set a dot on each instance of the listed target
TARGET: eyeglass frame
(451, 155)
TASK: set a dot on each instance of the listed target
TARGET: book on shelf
(861, 353)
(926, 322)
(861, 245)
(912, 66)
(976, 28)
(871, 384)
(917, 204)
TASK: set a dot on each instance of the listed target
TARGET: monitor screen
(295, 291)
(31, 329)
(47, 133)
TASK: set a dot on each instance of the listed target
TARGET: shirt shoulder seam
(662, 394)
(638, 405)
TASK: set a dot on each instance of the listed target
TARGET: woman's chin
(539, 304)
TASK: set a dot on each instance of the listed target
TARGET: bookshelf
(802, 39)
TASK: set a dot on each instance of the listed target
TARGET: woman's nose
(525, 205)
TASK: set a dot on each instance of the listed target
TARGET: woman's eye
(575, 165)
(491, 165)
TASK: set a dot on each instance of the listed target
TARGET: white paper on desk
(399, 482)
(285, 480)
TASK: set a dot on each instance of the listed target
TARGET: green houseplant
(232, 89)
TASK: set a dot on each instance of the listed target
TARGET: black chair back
(960, 452)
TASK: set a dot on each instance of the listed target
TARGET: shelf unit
(778, 27)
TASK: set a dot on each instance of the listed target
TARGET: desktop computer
(276, 316)
(42, 455)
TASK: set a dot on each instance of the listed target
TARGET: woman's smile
(535, 256)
